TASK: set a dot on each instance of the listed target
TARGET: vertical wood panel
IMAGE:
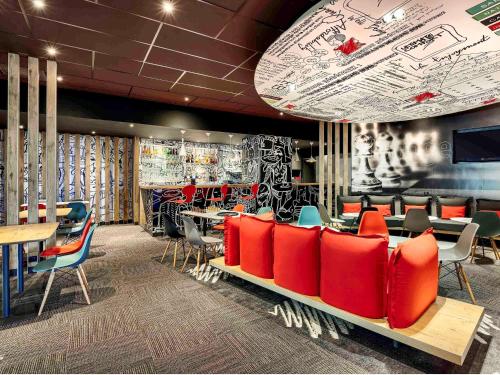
(44, 167)
(33, 129)
(116, 186)
(78, 171)
(51, 143)
(347, 182)
(125, 179)
(337, 165)
(321, 163)
(329, 168)
(21, 168)
(88, 171)
(107, 189)
(136, 191)
(97, 196)
(67, 163)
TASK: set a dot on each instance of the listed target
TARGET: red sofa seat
(232, 240)
(256, 246)
(296, 258)
(353, 272)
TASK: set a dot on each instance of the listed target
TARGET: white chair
(457, 254)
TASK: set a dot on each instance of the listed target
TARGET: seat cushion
(448, 204)
(232, 240)
(410, 206)
(256, 246)
(412, 280)
(452, 211)
(351, 207)
(384, 209)
(296, 258)
(353, 272)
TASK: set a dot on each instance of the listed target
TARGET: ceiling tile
(202, 46)
(249, 33)
(85, 84)
(212, 83)
(182, 61)
(60, 33)
(157, 95)
(242, 75)
(278, 13)
(13, 23)
(78, 70)
(118, 64)
(7, 5)
(248, 100)
(216, 104)
(131, 79)
(198, 16)
(201, 92)
(233, 5)
(99, 18)
(252, 62)
(160, 72)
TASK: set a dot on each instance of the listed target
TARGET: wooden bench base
(446, 330)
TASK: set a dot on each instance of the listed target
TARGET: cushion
(410, 200)
(464, 202)
(232, 240)
(353, 272)
(452, 211)
(384, 209)
(341, 200)
(351, 207)
(410, 206)
(256, 246)
(296, 258)
(412, 280)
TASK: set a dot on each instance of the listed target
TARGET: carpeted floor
(146, 317)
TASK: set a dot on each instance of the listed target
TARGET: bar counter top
(205, 186)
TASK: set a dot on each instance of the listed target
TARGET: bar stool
(219, 200)
(254, 189)
(188, 192)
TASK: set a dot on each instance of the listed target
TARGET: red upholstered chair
(232, 240)
(256, 246)
(373, 222)
(254, 189)
(296, 258)
(353, 272)
(188, 192)
(412, 280)
(223, 193)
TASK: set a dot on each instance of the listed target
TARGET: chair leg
(84, 277)
(165, 252)
(175, 253)
(474, 247)
(495, 248)
(187, 258)
(47, 290)
(198, 261)
(84, 289)
(439, 269)
(467, 284)
(458, 275)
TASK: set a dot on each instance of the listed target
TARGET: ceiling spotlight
(93, 132)
(21, 126)
(186, 99)
(38, 4)
(168, 7)
(131, 125)
(51, 51)
(59, 79)
(281, 113)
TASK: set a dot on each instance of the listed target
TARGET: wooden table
(19, 235)
(60, 212)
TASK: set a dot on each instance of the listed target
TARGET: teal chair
(74, 230)
(71, 261)
(309, 215)
(78, 211)
(264, 210)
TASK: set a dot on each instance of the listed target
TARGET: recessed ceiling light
(168, 7)
(131, 125)
(38, 4)
(93, 131)
(51, 51)
(21, 126)
(59, 78)
(186, 99)
(281, 113)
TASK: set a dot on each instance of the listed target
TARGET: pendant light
(296, 165)
(182, 151)
(311, 159)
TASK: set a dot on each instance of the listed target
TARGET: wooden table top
(58, 204)
(206, 215)
(60, 212)
(15, 234)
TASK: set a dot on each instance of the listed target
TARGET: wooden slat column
(329, 169)
(337, 165)
(44, 166)
(125, 179)
(20, 162)
(78, 171)
(107, 182)
(51, 144)
(321, 163)
(67, 166)
(136, 193)
(116, 186)
(345, 147)
(97, 195)
(88, 171)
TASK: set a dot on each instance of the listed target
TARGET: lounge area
(249, 186)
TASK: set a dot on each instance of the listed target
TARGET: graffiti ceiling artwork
(385, 60)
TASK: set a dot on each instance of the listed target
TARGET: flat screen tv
(476, 145)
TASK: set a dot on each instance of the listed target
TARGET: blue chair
(72, 261)
(309, 215)
(78, 211)
(76, 230)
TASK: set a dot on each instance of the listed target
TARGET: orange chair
(238, 208)
(373, 222)
(70, 248)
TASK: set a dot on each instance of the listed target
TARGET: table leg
(5, 281)
(205, 224)
(20, 269)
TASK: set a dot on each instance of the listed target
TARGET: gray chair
(197, 242)
(457, 254)
(416, 221)
(323, 213)
(489, 228)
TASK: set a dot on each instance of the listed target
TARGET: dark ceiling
(202, 55)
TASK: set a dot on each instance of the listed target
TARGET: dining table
(19, 235)
(207, 216)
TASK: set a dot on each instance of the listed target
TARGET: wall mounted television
(476, 145)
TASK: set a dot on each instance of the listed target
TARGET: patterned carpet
(146, 317)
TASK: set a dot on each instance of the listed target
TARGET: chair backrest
(239, 208)
(417, 220)
(264, 210)
(254, 189)
(80, 256)
(193, 236)
(78, 210)
(309, 215)
(85, 231)
(357, 221)
(373, 222)
(466, 239)
(223, 190)
(323, 213)
(189, 192)
(170, 229)
(489, 223)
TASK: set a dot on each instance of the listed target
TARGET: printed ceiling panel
(383, 61)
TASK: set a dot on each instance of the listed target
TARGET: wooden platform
(446, 330)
